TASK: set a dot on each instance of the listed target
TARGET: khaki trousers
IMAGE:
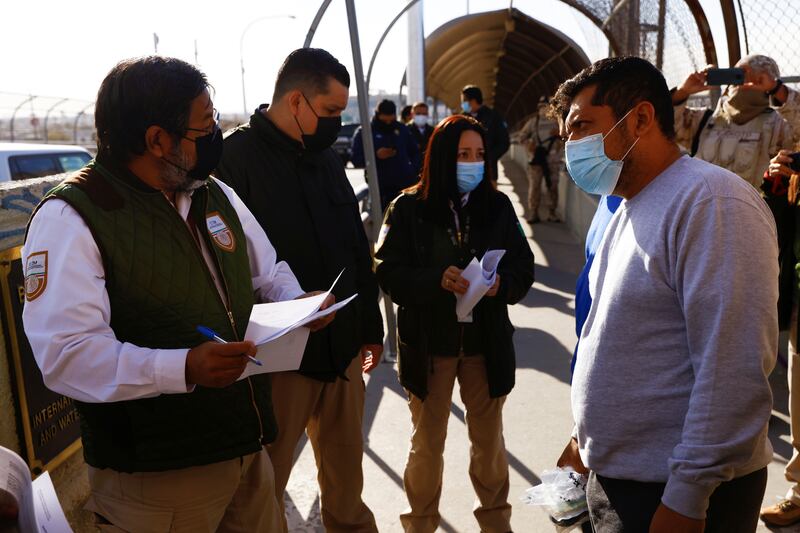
(331, 414)
(488, 465)
(235, 496)
(792, 470)
(535, 180)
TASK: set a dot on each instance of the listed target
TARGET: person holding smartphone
(781, 187)
(756, 117)
(396, 151)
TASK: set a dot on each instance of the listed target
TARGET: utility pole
(376, 212)
(415, 80)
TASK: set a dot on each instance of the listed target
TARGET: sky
(64, 49)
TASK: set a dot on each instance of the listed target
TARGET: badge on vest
(35, 275)
(220, 233)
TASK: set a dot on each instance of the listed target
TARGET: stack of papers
(277, 329)
(39, 508)
(481, 276)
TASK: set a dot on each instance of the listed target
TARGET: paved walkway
(537, 413)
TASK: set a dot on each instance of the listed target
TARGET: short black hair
(405, 113)
(386, 107)
(473, 92)
(139, 93)
(309, 70)
(620, 83)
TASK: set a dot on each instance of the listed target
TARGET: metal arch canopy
(459, 53)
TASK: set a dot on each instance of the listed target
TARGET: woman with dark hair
(430, 233)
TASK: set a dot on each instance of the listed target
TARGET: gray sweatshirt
(670, 383)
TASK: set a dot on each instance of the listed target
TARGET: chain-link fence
(665, 32)
(46, 119)
(56, 120)
(769, 27)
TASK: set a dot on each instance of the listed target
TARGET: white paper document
(39, 508)
(278, 331)
(49, 514)
(481, 276)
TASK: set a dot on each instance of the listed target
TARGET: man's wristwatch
(778, 85)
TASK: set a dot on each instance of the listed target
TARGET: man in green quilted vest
(123, 261)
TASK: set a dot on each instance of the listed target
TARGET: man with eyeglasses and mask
(282, 165)
(670, 392)
(123, 261)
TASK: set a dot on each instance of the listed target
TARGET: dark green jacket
(307, 207)
(407, 272)
(160, 290)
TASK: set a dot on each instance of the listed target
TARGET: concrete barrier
(17, 201)
(575, 206)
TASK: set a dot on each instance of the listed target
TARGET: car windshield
(70, 162)
(38, 165)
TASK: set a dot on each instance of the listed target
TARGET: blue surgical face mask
(468, 176)
(466, 107)
(590, 167)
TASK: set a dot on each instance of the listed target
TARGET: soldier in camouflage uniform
(546, 151)
(750, 124)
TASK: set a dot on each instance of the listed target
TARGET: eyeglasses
(215, 127)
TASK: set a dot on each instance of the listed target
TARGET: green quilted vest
(160, 290)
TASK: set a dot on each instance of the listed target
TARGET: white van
(19, 161)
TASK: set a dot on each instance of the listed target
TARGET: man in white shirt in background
(122, 262)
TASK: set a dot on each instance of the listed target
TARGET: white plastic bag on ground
(562, 493)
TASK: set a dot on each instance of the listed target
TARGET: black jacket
(394, 173)
(310, 214)
(497, 140)
(787, 222)
(422, 137)
(407, 273)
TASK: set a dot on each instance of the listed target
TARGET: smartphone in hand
(725, 76)
(795, 164)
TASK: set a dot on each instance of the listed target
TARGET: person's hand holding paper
(280, 329)
(452, 280)
(482, 277)
(320, 323)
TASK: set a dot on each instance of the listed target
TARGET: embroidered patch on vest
(219, 231)
(35, 275)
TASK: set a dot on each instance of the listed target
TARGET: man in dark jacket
(395, 149)
(419, 127)
(497, 140)
(282, 166)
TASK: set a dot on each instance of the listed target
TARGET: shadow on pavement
(547, 354)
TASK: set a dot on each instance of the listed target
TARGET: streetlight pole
(241, 52)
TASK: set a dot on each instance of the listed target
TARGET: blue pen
(210, 334)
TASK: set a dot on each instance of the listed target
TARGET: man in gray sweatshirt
(670, 392)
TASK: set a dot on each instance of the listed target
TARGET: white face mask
(420, 120)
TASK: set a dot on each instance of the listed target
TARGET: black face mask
(209, 153)
(327, 131)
